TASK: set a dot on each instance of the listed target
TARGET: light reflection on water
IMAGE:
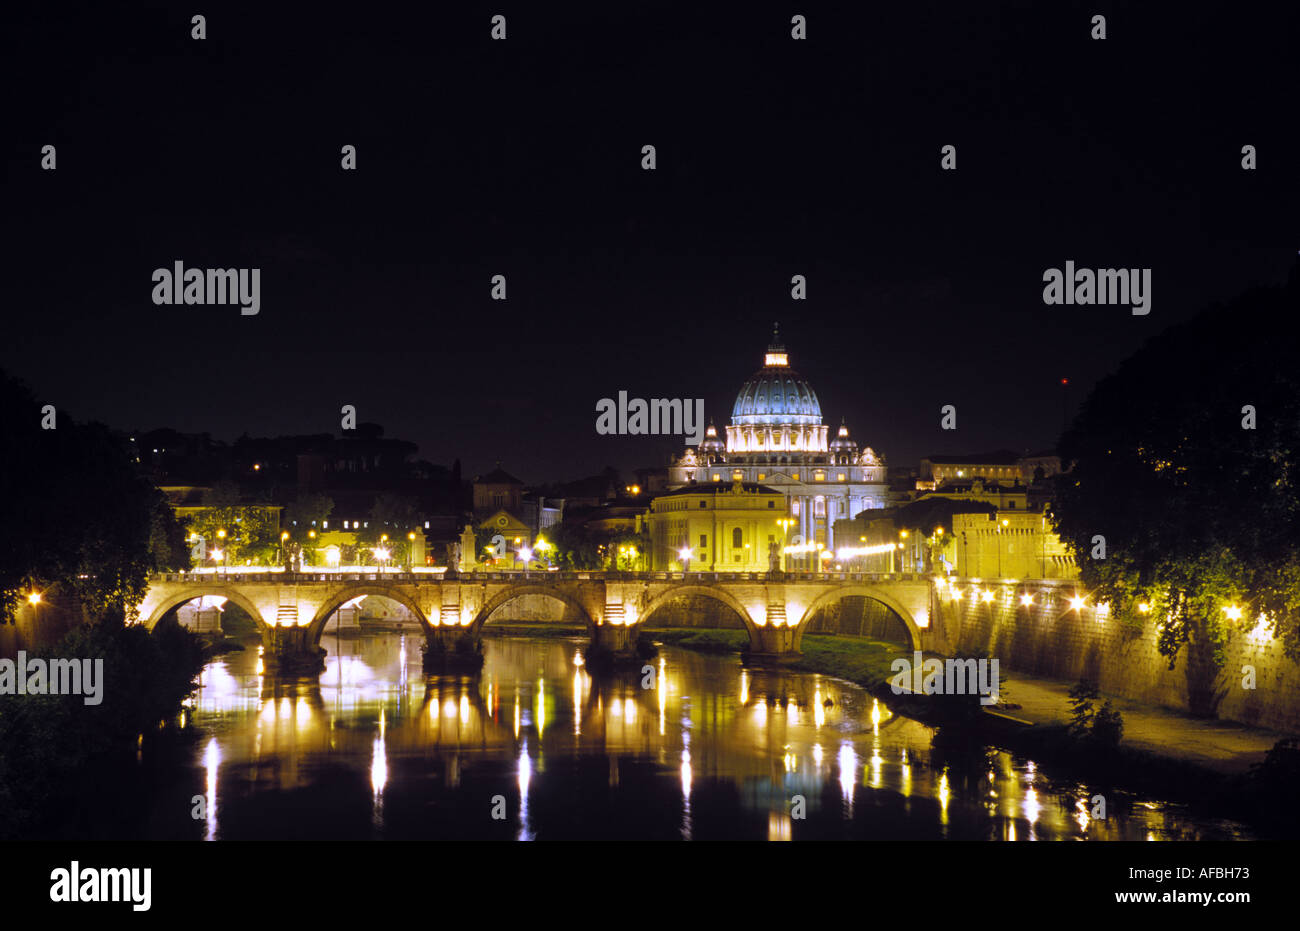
(753, 753)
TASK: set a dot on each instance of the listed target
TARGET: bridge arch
(863, 591)
(716, 592)
(229, 592)
(528, 588)
(316, 627)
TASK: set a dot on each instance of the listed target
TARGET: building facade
(722, 528)
(777, 439)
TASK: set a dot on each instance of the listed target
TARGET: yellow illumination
(1144, 607)
(34, 598)
(986, 595)
(1233, 612)
(1026, 600)
(1076, 603)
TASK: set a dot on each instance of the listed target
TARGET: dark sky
(522, 158)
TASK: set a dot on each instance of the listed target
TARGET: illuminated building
(725, 527)
(776, 438)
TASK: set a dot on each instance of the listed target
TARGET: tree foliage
(76, 511)
(1200, 511)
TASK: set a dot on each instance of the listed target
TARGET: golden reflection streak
(211, 765)
(848, 769)
(577, 702)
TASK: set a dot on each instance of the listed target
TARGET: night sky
(522, 158)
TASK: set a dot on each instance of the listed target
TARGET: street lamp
(527, 556)
(410, 551)
(684, 554)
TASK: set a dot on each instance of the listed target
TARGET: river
(697, 747)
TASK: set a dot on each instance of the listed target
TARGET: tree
(76, 512)
(1184, 461)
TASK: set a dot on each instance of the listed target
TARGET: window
(761, 476)
(704, 504)
(819, 477)
(819, 506)
(737, 476)
(841, 476)
(704, 541)
(771, 505)
(737, 539)
(794, 507)
(717, 477)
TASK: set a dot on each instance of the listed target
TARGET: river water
(534, 747)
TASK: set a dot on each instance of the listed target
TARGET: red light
(1065, 381)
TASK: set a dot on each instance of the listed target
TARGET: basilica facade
(776, 438)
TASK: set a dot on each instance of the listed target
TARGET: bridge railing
(534, 575)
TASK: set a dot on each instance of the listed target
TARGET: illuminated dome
(776, 394)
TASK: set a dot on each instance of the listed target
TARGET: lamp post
(684, 554)
(219, 553)
(410, 551)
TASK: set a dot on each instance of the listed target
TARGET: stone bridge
(291, 609)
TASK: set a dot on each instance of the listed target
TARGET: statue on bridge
(774, 557)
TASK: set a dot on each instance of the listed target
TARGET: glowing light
(1261, 632)
(378, 767)
(1076, 603)
(34, 598)
(849, 552)
(1026, 600)
(1144, 607)
(211, 766)
(1032, 806)
(1233, 612)
(986, 595)
(848, 760)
